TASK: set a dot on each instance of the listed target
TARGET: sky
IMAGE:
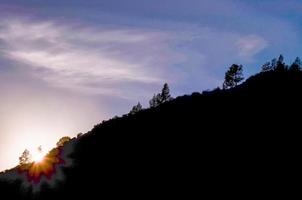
(67, 65)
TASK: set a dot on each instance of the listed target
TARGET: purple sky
(67, 66)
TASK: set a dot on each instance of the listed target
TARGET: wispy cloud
(103, 60)
(250, 45)
(77, 57)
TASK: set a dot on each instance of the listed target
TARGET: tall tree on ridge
(25, 158)
(296, 66)
(280, 65)
(162, 97)
(233, 76)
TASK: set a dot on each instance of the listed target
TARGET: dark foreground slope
(238, 142)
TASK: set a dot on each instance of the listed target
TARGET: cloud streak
(250, 45)
(97, 60)
(78, 57)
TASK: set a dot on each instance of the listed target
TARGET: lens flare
(42, 165)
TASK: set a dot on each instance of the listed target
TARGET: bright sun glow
(37, 156)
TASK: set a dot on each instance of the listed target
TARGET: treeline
(157, 99)
(279, 65)
(233, 77)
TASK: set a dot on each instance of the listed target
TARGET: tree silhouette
(162, 97)
(233, 76)
(136, 108)
(62, 141)
(40, 149)
(274, 63)
(155, 101)
(165, 93)
(25, 158)
(296, 65)
(267, 67)
(280, 65)
(280, 59)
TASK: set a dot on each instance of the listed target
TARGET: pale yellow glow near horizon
(30, 118)
(30, 139)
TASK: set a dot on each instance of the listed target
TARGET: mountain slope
(219, 143)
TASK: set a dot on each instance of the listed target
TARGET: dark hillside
(219, 143)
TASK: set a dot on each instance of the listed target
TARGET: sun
(37, 156)
(42, 165)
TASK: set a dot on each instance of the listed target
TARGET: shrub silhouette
(62, 141)
(136, 108)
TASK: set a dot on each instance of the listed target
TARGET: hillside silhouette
(232, 142)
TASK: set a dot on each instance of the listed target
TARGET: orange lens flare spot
(42, 166)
